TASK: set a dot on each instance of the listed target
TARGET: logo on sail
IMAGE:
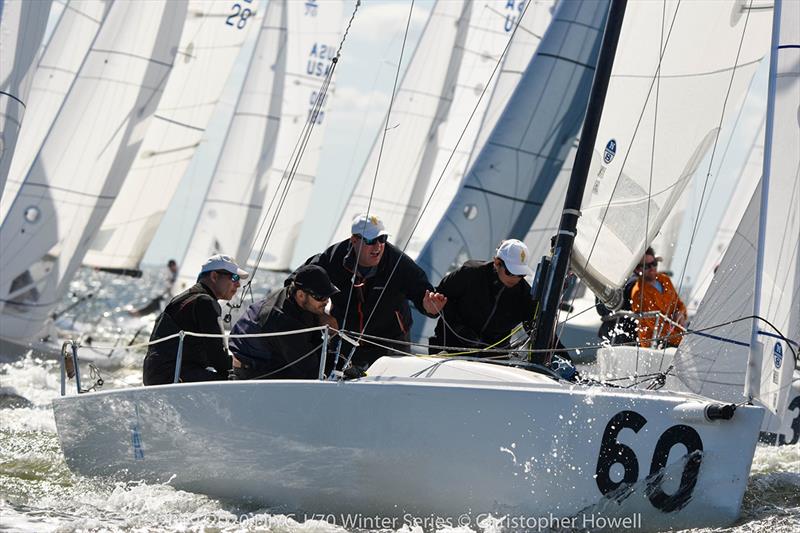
(610, 151)
(777, 353)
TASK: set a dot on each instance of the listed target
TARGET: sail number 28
(613, 452)
(240, 14)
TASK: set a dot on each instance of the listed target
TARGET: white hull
(454, 438)
(624, 361)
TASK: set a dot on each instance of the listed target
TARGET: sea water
(38, 493)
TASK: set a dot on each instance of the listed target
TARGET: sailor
(486, 300)
(377, 280)
(155, 304)
(195, 310)
(299, 305)
(653, 291)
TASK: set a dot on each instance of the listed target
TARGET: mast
(544, 335)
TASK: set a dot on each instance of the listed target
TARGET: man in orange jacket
(653, 291)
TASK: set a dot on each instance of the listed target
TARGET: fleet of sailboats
(478, 146)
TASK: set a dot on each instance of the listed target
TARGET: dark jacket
(378, 303)
(196, 310)
(266, 357)
(620, 330)
(480, 310)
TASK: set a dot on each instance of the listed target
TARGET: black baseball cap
(314, 279)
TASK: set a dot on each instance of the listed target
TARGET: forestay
(479, 78)
(83, 160)
(22, 25)
(55, 73)
(419, 110)
(292, 57)
(661, 118)
(212, 37)
(775, 340)
(506, 185)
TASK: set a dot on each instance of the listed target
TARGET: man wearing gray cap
(486, 300)
(196, 310)
(299, 305)
(376, 280)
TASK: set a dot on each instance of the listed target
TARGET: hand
(327, 320)
(433, 302)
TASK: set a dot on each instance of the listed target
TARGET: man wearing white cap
(486, 300)
(376, 280)
(196, 310)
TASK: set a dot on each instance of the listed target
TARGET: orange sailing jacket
(667, 302)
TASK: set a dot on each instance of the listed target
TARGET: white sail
(55, 72)
(292, 55)
(664, 108)
(510, 178)
(461, 138)
(419, 110)
(212, 37)
(83, 160)
(734, 211)
(775, 340)
(22, 25)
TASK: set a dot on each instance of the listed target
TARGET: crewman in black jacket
(196, 310)
(486, 300)
(377, 302)
(299, 305)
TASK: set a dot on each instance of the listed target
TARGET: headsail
(210, 42)
(663, 112)
(22, 25)
(292, 56)
(775, 341)
(83, 160)
(420, 108)
(461, 138)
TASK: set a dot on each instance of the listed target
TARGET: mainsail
(212, 37)
(83, 160)
(22, 25)
(292, 57)
(506, 185)
(420, 108)
(55, 73)
(647, 150)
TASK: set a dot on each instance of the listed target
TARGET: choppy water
(39, 493)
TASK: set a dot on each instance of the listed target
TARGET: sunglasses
(648, 266)
(379, 239)
(234, 277)
(314, 295)
(503, 264)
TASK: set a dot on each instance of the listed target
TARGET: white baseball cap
(368, 227)
(514, 255)
(223, 262)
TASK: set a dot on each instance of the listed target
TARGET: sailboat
(524, 443)
(95, 136)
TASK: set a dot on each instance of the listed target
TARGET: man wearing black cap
(299, 305)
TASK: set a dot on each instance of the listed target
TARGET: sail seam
(501, 195)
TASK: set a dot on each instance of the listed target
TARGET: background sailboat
(95, 137)
(290, 61)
